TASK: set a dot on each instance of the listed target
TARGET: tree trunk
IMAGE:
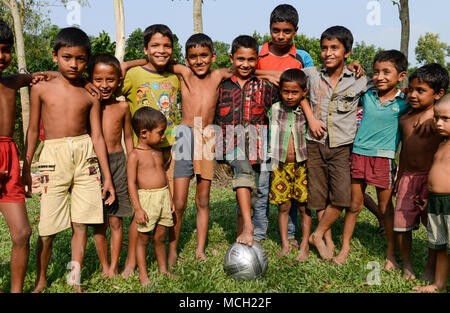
(21, 62)
(120, 29)
(198, 19)
(403, 10)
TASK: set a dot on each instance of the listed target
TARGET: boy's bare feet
(391, 264)
(172, 259)
(429, 288)
(78, 289)
(144, 280)
(428, 275)
(201, 256)
(293, 243)
(127, 272)
(246, 237)
(39, 287)
(320, 246)
(304, 251)
(408, 272)
(341, 257)
(284, 250)
(171, 275)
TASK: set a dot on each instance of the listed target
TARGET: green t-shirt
(161, 91)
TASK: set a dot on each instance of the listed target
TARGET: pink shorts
(409, 209)
(11, 187)
(375, 171)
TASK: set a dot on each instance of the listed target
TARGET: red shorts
(411, 193)
(11, 187)
(375, 171)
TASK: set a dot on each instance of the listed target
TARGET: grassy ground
(283, 275)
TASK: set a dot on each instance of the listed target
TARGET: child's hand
(141, 217)
(27, 183)
(108, 187)
(94, 91)
(317, 128)
(42, 76)
(356, 68)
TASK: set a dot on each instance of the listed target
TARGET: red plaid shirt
(243, 111)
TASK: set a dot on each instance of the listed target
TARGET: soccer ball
(244, 262)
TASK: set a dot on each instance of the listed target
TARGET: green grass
(283, 275)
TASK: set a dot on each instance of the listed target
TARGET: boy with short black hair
(375, 146)
(152, 85)
(68, 162)
(426, 86)
(334, 95)
(241, 110)
(105, 73)
(438, 202)
(150, 197)
(288, 153)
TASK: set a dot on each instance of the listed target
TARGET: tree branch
(6, 2)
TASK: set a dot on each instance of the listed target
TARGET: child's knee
(144, 239)
(284, 208)
(21, 236)
(77, 227)
(202, 202)
(180, 205)
(356, 206)
(115, 224)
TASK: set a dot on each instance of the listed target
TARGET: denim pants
(257, 178)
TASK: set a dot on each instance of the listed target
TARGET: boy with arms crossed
(68, 161)
(241, 110)
(105, 73)
(152, 85)
(150, 197)
(438, 202)
(334, 95)
(374, 148)
(288, 152)
(426, 86)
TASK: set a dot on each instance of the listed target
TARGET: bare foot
(172, 259)
(127, 272)
(341, 257)
(321, 247)
(144, 280)
(39, 287)
(428, 275)
(408, 272)
(105, 274)
(330, 247)
(284, 250)
(201, 256)
(171, 275)
(246, 237)
(293, 243)
(78, 289)
(429, 288)
(391, 264)
(304, 251)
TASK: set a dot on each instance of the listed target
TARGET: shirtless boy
(12, 193)
(105, 73)
(150, 197)
(68, 161)
(426, 86)
(438, 203)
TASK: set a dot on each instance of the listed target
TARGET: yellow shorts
(289, 182)
(69, 165)
(156, 203)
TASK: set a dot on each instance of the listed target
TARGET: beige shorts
(156, 203)
(69, 165)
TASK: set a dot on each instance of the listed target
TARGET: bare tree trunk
(198, 19)
(21, 61)
(120, 29)
(403, 10)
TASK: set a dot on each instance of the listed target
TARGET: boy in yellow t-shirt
(151, 85)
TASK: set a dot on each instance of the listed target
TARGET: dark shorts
(118, 167)
(438, 208)
(375, 171)
(329, 180)
(11, 187)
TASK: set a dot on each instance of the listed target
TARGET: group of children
(286, 128)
